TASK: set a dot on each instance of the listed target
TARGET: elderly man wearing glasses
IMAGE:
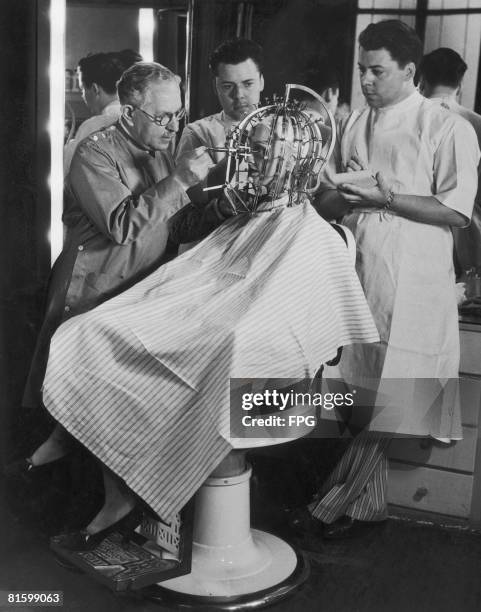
(123, 188)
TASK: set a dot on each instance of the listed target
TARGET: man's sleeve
(110, 205)
(456, 166)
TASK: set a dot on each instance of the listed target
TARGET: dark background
(297, 35)
(25, 214)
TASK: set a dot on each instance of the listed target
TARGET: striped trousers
(357, 485)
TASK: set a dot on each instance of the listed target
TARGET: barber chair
(235, 567)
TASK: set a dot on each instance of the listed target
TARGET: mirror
(157, 32)
(157, 29)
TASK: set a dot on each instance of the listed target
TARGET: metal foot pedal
(129, 564)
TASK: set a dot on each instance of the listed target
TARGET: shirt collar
(405, 104)
(448, 100)
(112, 108)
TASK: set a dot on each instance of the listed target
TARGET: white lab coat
(406, 267)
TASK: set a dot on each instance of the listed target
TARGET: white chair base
(233, 566)
(268, 561)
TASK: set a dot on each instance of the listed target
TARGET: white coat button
(67, 308)
(80, 247)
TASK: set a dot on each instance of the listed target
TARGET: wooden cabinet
(432, 478)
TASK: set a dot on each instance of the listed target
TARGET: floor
(399, 567)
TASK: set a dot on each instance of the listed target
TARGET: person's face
(238, 88)
(161, 97)
(383, 81)
(273, 154)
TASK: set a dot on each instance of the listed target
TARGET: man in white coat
(424, 162)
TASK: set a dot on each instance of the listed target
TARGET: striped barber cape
(143, 380)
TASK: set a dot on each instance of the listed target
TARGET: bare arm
(424, 209)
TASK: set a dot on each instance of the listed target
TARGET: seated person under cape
(143, 380)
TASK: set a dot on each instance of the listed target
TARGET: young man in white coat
(424, 162)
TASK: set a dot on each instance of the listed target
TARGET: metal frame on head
(304, 177)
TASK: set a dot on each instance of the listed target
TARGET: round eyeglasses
(165, 118)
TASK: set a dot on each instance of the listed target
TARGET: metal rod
(242, 150)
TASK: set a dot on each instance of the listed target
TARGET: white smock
(406, 267)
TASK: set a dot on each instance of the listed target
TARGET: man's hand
(220, 209)
(217, 173)
(361, 197)
(192, 168)
(356, 163)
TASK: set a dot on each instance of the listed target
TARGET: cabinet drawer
(458, 455)
(470, 362)
(470, 397)
(430, 490)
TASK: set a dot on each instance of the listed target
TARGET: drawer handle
(420, 493)
(426, 443)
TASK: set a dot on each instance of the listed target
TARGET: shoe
(347, 527)
(301, 522)
(82, 540)
(23, 470)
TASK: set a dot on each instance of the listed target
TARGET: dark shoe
(347, 527)
(83, 540)
(301, 522)
(38, 494)
(24, 471)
